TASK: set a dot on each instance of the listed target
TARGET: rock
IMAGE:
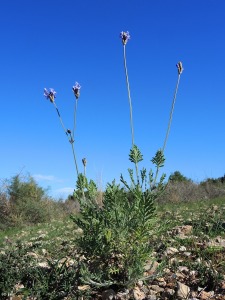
(78, 231)
(183, 269)
(217, 242)
(156, 288)
(187, 254)
(83, 287)
(182, 290)
(43, 264)
(183, 230)
(168, 293)
(166, 271)
(123, 295)
(171, 285)
(138, 294)
(182, 249)
(140, 283)
(205, 295)
(186, 229)
(173, 261)
(109, 295)
(151, 266)
(171, 251)
(161, 282)
(152, 297)
(18, 287)
(180, 275)
(193, 273)
(160, 279)
(215, 207)
(32, 254)
(145, 289)
(44, 251)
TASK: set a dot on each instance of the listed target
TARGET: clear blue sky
(52, 44)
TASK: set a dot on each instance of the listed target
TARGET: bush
(21, 275)
(179, 188)
(178, 177)
(23, 202)
(115, 239)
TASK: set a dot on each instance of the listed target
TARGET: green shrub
(21, 275)
(115, 239)
(25, 203)
(13, 263)
(178, 177)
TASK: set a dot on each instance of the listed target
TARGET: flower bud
(179, 67)
(84, 161)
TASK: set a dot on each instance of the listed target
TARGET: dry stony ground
(187, 262)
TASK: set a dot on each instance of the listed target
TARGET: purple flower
(76, 89)
(125, 36)
(51, 94)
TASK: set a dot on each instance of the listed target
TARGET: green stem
(171, 113)
(130, 105)
(60, 118)
(169, 124)
(156, 176)
(75, 117)
(71, 140)
(74, 157)
(129, 97)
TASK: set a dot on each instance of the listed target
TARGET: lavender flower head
(125, 36)
(76, 89)
(180, 67)
(50, 94)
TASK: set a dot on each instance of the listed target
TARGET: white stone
(182, 290)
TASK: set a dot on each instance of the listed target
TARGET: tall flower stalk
(161, 151)
(125, 36)
(51, 95)
(76, 90)
(180, 70)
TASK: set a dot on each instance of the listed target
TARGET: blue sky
(52, 44)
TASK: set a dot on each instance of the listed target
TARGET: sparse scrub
(53, 263)
(179, 189)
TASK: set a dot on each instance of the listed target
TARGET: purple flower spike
(51, 94)
(76, 89)
(125, 36)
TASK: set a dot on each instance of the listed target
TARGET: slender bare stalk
(171, 112)
(74, 156)
(180, 70)
(61, 121)
(130, 105)
(129, 97)
(75, 117)
(68, 134)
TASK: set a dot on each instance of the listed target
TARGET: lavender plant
(116, 236)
